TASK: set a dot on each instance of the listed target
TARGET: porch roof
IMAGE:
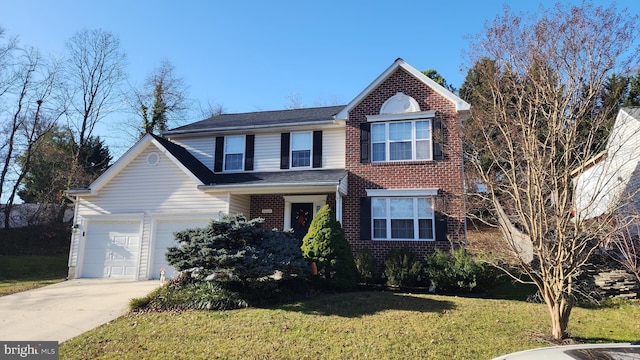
(294, 181)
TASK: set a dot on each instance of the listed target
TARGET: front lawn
(26, 272)
(356, 325)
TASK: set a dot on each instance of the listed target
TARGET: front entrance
(301, 216)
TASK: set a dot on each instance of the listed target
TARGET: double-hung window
(301, 145)
(234, 153)
(401, 140)
(402, 218)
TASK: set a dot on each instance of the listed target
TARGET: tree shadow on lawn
(360, 303)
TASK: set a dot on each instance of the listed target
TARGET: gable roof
(191, 166)
(261, 119)
(461, 105)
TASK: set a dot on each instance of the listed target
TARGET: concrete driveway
(61, 311)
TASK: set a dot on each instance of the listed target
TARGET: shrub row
(442, 271)
(36, 240)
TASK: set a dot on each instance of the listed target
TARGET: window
(233, 153)
(402, 218)
(401, 140)
(301, 144)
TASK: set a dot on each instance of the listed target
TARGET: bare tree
(95, 71)
(537, 114)
(162, 100)
(26, 121)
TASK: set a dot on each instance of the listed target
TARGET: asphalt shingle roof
(208, 177)
(261, 119)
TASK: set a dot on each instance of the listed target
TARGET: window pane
(234, 144)
(423, 150)
(400, 131)
(422, 130)
(377, 133)
(379, 207)
(401, 207)
(233, 162)
(301, 141)
(424, 208)
(378, 152)
(380, 228)
(400, 151)
(402, 229)
(301, 158)
(425, 229)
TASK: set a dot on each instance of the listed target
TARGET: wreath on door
(302, 216)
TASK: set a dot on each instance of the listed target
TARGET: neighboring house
(389, 163)
(609, 183)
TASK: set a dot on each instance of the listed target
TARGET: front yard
(356, 325)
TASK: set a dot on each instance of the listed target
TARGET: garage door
(111, 250)
(164, 239)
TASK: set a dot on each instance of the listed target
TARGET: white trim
(401, 192)
(427, 115)
(317, 200)
(291, 150)
(224, 153)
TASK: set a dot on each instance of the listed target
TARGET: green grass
(21, 273)
(356, 325)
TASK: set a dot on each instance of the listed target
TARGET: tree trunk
(560, 310)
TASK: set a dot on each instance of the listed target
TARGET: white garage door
(111, 249)
(164, 239)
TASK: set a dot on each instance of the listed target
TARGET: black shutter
(284, 151)
(365, 146)
(249, 141)
(365, 218)
(441, 226)
(217, 167)
(437, 138)
(317, 149)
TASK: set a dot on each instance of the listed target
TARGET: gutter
(252, 127)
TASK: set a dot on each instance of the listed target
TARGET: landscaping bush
(456, 271)
(401, 268)
(326, 245)
(232, 263)
(366, 265)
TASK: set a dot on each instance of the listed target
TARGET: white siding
(267, 152)
(333, 149)
(240, 204)
(605, 186)
(203, 148)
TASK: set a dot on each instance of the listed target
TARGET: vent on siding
(153, 159)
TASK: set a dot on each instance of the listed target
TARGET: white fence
(33, 214)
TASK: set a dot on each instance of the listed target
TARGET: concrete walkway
(61, 311)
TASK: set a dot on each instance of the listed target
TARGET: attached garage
(112, 249)
(163, 239)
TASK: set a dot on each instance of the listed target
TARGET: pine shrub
(326, 245)
(401, 268)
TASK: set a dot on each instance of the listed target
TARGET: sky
(252, 55)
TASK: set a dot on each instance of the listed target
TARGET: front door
(301, 216)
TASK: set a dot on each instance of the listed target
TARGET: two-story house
(389, 163)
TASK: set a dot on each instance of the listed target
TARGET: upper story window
(234, 153)
(401, 132)
(301, 146)
(401, 140)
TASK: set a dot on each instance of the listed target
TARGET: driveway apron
(61, 311)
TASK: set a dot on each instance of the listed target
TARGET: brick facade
(445, 175)
(275, 202)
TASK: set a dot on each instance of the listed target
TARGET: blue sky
(252, 55)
